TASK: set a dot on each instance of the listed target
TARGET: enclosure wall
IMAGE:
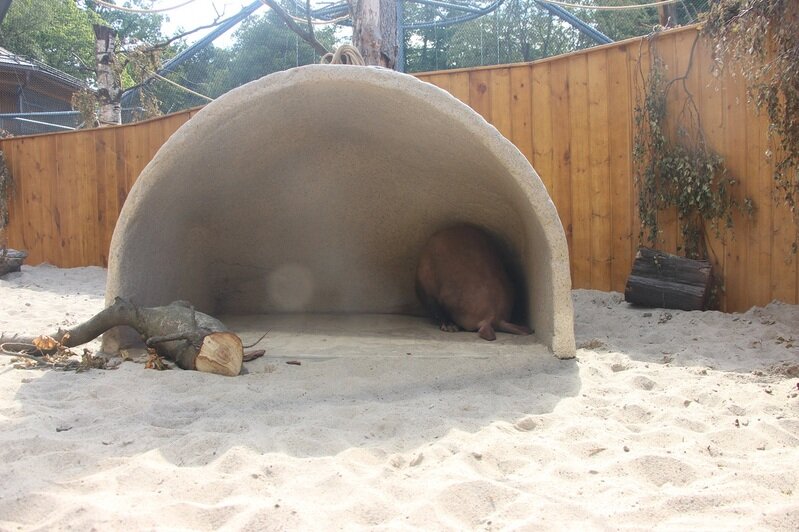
(571, 116)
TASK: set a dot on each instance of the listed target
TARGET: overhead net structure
(432, 35)
(447, 34)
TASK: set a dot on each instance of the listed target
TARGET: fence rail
(572, 116)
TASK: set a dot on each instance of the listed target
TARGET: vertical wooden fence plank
(499, 93)
(663, 46)
(106, 190)
(599, 170)
(441, 81)
(638, 61)
(460, 86)
(541, 104)
(133, 155)
(764, 215)
(521, 110)
(737, 244)
(579, 149)
(91, 246)
(22, 163)
(65, 185)
(479, 97)
(620, 109)
(50, 200)
(120, 168)
(711, 112)
(561, 152)
(37, 218)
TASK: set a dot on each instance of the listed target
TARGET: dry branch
(176, 331)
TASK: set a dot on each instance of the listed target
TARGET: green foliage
(262, 45)
(206, 73)
(265, 44)
(56, 32)
(761, 39)
(142, 28)
(518, 31)
(59, 33)
(6, 187)
(678, 170)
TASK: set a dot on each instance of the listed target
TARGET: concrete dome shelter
(311, 192)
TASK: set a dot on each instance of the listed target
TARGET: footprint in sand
(660, 470)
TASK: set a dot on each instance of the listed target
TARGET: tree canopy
(55, 32)
(59, 32)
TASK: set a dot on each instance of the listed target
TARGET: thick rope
(346, 54)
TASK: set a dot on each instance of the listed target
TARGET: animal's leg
(449, 326)
(508, 327)
(486, 332)
(439, 314)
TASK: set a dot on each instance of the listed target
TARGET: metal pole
(571, 19)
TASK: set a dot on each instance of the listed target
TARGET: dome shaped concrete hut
(313, 191)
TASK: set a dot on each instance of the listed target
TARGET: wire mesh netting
(444, 37)
(36, 97)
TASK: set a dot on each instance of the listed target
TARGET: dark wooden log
(11, 260)
(660, 279)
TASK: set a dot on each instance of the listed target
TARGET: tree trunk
(374, 31)
(667, 15)
(109, 84)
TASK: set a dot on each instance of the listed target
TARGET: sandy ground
(666, 420)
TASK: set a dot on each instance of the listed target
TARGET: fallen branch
(191, 339)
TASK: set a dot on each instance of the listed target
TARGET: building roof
(11, 61)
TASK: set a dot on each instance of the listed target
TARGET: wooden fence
(572, 117)
(70, 187)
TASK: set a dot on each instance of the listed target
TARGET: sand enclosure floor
(666, 420)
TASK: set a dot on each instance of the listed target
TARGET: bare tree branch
(293, 26)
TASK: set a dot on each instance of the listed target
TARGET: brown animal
(463, 283)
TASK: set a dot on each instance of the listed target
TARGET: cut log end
(221, 353)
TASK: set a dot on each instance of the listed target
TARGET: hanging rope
(346, 54)
(179, 86)
(109, 5)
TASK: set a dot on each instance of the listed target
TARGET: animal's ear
(486, 332)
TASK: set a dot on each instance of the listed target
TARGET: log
(660, 279)
(191, 339)
(11, 260)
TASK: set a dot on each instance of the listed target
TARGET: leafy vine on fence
(6, 186)
(675, 167)
(760, 37)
